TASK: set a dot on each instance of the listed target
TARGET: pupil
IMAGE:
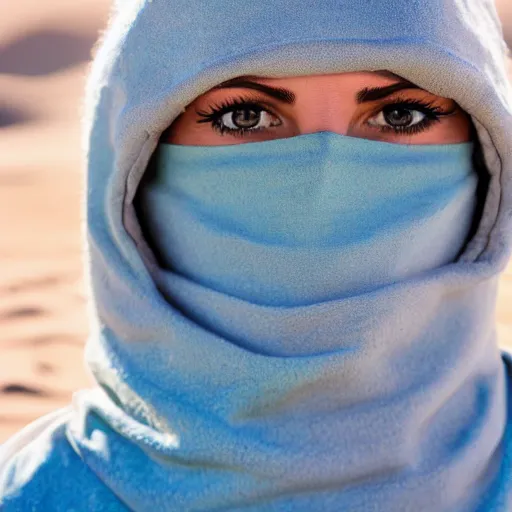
(246, 118)
(398, 117)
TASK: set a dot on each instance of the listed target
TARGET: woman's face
(370, 105)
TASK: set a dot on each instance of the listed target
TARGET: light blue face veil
(388, 399)
(307, 219)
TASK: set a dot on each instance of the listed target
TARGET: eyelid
(433, 111)
(252, 97)
(428, 107)
(218, 110)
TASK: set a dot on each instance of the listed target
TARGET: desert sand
(44, 53)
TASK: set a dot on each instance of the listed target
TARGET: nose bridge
(325, 109)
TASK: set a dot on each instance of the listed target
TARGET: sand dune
(44, 49)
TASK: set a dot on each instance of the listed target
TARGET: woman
(296, 223)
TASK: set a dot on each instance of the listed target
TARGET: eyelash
(218, 110)
(432, 114)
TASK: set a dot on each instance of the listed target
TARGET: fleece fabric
(251, 220)
(406, 404)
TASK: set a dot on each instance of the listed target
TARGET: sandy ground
(44, 49)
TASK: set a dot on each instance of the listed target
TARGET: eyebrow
(377, 93)
(286, 96)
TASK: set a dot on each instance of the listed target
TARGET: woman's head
(371, 105)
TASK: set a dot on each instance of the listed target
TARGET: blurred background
(45, 48)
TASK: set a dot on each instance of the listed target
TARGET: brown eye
(240, 118)
(243, 118)
(247, 118)
(398, 116)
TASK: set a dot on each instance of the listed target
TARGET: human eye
(239, 117)
(407, 116)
